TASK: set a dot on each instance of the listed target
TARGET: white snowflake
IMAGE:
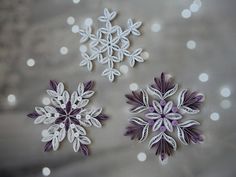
(67, 116)
(110, 45)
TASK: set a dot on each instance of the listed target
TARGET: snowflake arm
(108, 16)
(133, 27)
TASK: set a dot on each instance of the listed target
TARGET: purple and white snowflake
(110, 45)
(67, 116)
(161, 116)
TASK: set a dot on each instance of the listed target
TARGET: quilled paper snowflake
(110, 45)
(159, 115)
(67, 116)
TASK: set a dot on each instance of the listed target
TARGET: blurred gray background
(32, 33)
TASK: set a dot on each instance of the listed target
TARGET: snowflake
(68, 116)
(110, 44)
(162, 116)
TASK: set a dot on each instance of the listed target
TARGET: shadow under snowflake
(162, 116)
(110, 45)
(68, 116)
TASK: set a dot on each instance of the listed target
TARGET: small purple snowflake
(68, 116)
(162, 116)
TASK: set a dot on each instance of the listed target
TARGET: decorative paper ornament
(109, 45)
(155, 112)
(68, 116)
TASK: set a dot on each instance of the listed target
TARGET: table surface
(38, 29)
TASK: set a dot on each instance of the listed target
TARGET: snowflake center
(66, 114)
(163, 116)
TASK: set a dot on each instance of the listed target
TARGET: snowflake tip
(33, 115)
(89, 85)
(53, 85)
(102, 117)
(48, 146)
(84, 150)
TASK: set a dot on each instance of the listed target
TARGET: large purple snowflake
(68, 116)
(162, 116)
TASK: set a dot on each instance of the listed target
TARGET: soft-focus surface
(198, 51)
